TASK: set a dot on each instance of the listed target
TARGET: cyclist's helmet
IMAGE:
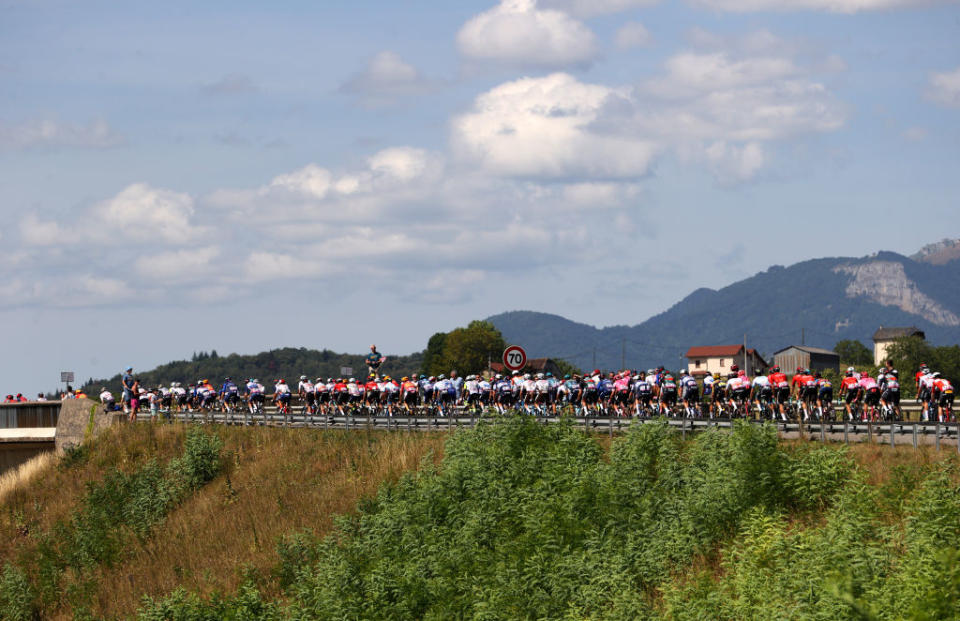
(741, 373)
(895, 373)
(936, 373)
(303, 377)
(775, 368)
(567, 376)
(734, 367)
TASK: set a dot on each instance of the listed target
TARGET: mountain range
(817, 302)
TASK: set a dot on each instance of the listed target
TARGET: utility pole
(745, 356)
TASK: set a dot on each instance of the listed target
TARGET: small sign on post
(66, 377)
(346, 371)
(514, 358)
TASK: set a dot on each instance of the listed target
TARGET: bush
(16, 595)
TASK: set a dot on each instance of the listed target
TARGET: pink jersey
(622, 384)
(867, 382)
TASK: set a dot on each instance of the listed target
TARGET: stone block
(80, 421)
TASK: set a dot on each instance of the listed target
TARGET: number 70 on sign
(514, 358)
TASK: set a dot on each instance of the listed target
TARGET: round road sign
(514, 358)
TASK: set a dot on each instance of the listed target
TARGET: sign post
(514, 358)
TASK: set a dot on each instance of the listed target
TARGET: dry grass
(280, 481)
(22, 474)
(276, 481)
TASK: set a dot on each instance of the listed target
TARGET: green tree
(433, 356)
(565, 368)
(467, 350)
(853, 353)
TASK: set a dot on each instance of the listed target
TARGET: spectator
(9, 399)
(374, 359)
(21, 398)
(40, 397)
(107, 399)
(128, 394)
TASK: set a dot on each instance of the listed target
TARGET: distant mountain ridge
(819, 301)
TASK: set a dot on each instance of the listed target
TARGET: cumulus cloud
(833, 6)
(50, 133)
(944, 88)
(518, 33)
(591, 8)
(633, 34)
(386, 78)
(540, 127)
(138, 213)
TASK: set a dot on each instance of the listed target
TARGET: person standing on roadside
(374, 359)
(127, 381)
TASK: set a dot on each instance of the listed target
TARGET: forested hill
(289, 363)
(822, 301)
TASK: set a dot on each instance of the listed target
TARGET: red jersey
(371, 386)
(778, 380)
(804, 380)
(340, 387)
(849, 383)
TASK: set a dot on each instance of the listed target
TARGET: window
(721, 363)
(698, 364)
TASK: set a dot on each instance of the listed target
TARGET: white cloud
(517, 33)
(731, 163)
(139, 213)
(177, 266)
(144, 213)
(833, 6)
(590, 8)
(633, 34)
(944, 88)
(539, 127)
(37, 232)
(385, 78)
(50, 133)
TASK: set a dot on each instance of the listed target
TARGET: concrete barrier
(81, 420)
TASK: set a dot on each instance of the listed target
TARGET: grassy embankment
(518, 521)
(271, 482)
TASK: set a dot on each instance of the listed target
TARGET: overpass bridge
(27, 429)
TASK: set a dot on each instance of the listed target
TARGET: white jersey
(390, 387)
(484, 386)
(761, 381)
(282, 389)
(253, 388)
(472, 387)
(305, 386)
(926, 381)
(105, 396)
(179, 391)
(353, 389)
(543, 386)
(529, 386)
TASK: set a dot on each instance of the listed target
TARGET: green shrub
(16, 595)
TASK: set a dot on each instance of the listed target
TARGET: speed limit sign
(514, 358)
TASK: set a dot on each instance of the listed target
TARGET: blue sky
(241, 176)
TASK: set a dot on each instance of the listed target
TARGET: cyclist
(942, 397)
(738, 391)
(307, 393)
(281, 396)
(229, 395)
(890, 391)
(391, 393)
(643, 390)
(925, 392)
(668, 394)
(781, 389)
(871, 395)
(761, 391)
(410, 392)
(690, 394)
(824, 393)
(254, 395)
(850, 385)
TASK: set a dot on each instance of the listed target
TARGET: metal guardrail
(892, 433)
(29, 414)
